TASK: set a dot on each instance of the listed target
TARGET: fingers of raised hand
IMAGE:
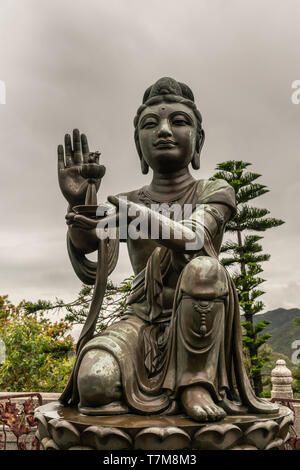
(60, 158)
(85, 148)
(74, 154)
(77, 155)
(68, 150)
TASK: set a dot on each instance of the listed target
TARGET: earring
(144, 166)
(196, 161)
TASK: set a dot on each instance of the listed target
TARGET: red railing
(18, 419)
(294, 441)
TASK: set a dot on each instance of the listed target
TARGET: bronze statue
(178, 347)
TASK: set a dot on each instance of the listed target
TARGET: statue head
(168, 127)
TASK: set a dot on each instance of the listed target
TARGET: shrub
(37, 351)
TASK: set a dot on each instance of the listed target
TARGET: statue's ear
(201, 141)
(196, 158)
(144, 166)
(196, 161)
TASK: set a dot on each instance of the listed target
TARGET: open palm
(70, 161)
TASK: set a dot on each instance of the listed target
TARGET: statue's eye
(180, 121)
(149, 124)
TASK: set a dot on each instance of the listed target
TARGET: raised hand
(70, 162)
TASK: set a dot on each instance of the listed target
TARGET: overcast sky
(86, 64)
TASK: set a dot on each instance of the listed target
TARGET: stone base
(65, 428)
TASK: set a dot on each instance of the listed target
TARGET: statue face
(167, 136)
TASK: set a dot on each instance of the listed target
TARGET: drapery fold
(145, 341)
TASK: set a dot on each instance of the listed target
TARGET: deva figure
(178, 347)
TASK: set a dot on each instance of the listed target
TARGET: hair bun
(186, 91)
(168, 86)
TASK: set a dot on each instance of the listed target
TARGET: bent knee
(204, 278)
(99, 378)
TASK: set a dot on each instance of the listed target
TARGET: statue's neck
(170, 183)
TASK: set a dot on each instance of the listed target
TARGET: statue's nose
(164, 129)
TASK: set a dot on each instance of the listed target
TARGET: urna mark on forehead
(168, 90)
(166, 110)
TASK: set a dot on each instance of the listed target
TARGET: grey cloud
(87, 63)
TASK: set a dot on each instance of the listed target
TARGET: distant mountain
(283, 328)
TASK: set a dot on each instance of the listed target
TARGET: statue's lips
(166, 144)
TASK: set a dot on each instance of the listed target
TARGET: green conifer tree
(245, 252)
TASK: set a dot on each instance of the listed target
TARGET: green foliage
(75, 312)
(296, 380)
(269, 365)
(37, 350)
(246, 253)
(40, 353)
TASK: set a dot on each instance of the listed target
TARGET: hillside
(283, 329)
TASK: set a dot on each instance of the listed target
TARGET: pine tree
(76, 311)
(246, 253)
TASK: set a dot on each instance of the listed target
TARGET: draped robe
(151, 338)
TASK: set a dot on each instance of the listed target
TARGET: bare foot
(199, 405)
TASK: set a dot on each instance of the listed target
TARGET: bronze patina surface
(62, 427)
(178, 347)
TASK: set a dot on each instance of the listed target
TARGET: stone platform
(61, 428)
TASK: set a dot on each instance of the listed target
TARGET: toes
(214, 412)
(199, 405)
(198, 413)
(221, 413)
(211, 412)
